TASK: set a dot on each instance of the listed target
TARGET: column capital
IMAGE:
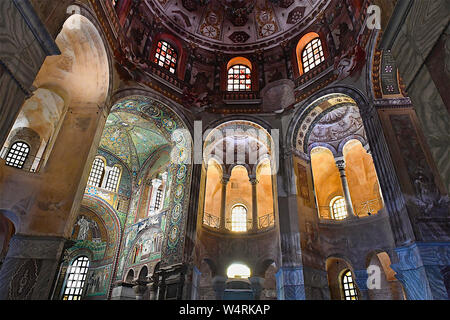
(225, 179)
(340, 164)
(253, 180)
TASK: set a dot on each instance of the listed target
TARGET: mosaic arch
(172, 131)
(327, 121)
(110, 221)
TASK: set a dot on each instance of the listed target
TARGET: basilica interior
(224, 150)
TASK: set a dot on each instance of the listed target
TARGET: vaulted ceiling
(131, 138)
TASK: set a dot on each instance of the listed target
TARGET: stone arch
(389, 184)
(336, 265)
(143, 273)
(130, 276)
(386, 286)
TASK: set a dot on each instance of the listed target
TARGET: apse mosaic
(165, 122)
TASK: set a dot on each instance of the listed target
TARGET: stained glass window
(348, 286)
(239, 219)
(239, 78)
(312, 55)
(166, 56)
(97, 173)
(339, 209)
(113, 179)
(17, 155)
(76, 278)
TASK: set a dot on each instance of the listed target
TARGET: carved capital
(340, 164)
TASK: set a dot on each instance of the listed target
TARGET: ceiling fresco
(131, 138)
(233, 22)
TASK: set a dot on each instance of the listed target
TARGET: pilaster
(30, 267)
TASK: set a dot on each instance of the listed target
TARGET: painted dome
(232, 25)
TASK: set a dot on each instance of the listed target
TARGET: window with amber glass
(338, 208)
(348, 286)
(239, 218)
(312, 55)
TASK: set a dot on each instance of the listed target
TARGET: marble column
(141, 290)
(257, 284)
(152, 288)
(340, 163)
(224, 182)
(219, 286)
(254, 183)
(290, 279)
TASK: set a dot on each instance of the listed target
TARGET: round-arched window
(76, 279)
(312, 55)
(239, 74)
(113, 179)
(348, 286)
(17, 155)
(238, 271)
(338, 208)
(239, 218)
(97, 173)
(166, 56)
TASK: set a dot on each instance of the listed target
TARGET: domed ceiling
(229, 24)
(131, 138)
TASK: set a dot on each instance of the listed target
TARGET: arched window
(97, 173)
(348, 286)
(113, 179)
(158, 199)
(310, 52)
(238, 271)
(17, 155)
(76, 279)
(239, 218)
(338, 208)
(312, 55)
(239, 75)
(166, 56)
